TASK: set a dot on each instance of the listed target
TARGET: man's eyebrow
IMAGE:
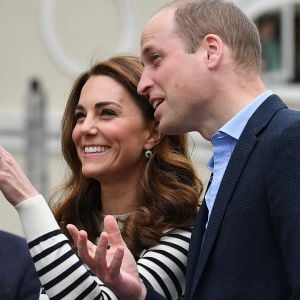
(146, 51)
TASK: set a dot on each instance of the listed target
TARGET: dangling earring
(148, 154)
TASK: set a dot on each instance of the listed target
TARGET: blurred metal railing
(35, 134)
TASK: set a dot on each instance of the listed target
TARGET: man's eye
(155, 56)
(155, 59)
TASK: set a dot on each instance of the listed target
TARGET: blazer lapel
(194, 250)
(197, 238)
(233, 172)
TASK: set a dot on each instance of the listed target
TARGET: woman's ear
(154, 137)
(213, 46)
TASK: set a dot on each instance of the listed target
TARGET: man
(18, 278)
(202, 73)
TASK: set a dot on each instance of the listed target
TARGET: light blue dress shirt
(224, 141)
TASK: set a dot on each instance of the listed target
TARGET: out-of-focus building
(46, 43)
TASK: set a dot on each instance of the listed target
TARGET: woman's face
(111, 133)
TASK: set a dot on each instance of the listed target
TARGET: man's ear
(154, 137)
(214, 47)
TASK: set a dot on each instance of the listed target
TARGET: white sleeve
(43, 297)
(62, 274)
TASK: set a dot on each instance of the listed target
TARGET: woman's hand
(85, 249)
(111, 260)
(14, 184)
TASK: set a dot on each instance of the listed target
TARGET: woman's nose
(89, 127)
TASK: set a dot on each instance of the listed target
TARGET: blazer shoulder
(12, 242)
(272, 111)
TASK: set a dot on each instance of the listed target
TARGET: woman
(120, 165)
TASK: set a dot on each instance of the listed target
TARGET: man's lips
(156, 102)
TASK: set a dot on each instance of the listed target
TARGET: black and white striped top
(63, 275)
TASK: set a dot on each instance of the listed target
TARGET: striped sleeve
(61, 272)
(63, 276)
(164, 266)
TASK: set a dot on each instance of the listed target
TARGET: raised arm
(61, 272)
(14, 184)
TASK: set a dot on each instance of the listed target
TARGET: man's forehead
(153, 28)
(146, 37)
(151, 41)
(149, 30)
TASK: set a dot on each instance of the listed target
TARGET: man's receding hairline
(157, 15)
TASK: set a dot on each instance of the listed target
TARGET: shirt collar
(235, 126)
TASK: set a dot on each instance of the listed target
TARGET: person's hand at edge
(14, 184)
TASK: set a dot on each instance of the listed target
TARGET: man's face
(171, 76)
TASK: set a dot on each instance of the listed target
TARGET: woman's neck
(120, 199)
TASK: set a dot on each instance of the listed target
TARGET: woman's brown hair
(170, 186)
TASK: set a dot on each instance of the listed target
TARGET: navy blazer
(18, 278)
(251, 248)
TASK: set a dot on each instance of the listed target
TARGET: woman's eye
(107, 112)
(79, 116)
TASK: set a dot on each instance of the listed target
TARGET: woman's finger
(101, 255)
(74, 232)
(116, 262)
(112, 229)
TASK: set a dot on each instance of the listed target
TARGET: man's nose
(145, 84)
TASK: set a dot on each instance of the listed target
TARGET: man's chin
(169, 128)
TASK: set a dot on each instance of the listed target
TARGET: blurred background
(46, 43)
